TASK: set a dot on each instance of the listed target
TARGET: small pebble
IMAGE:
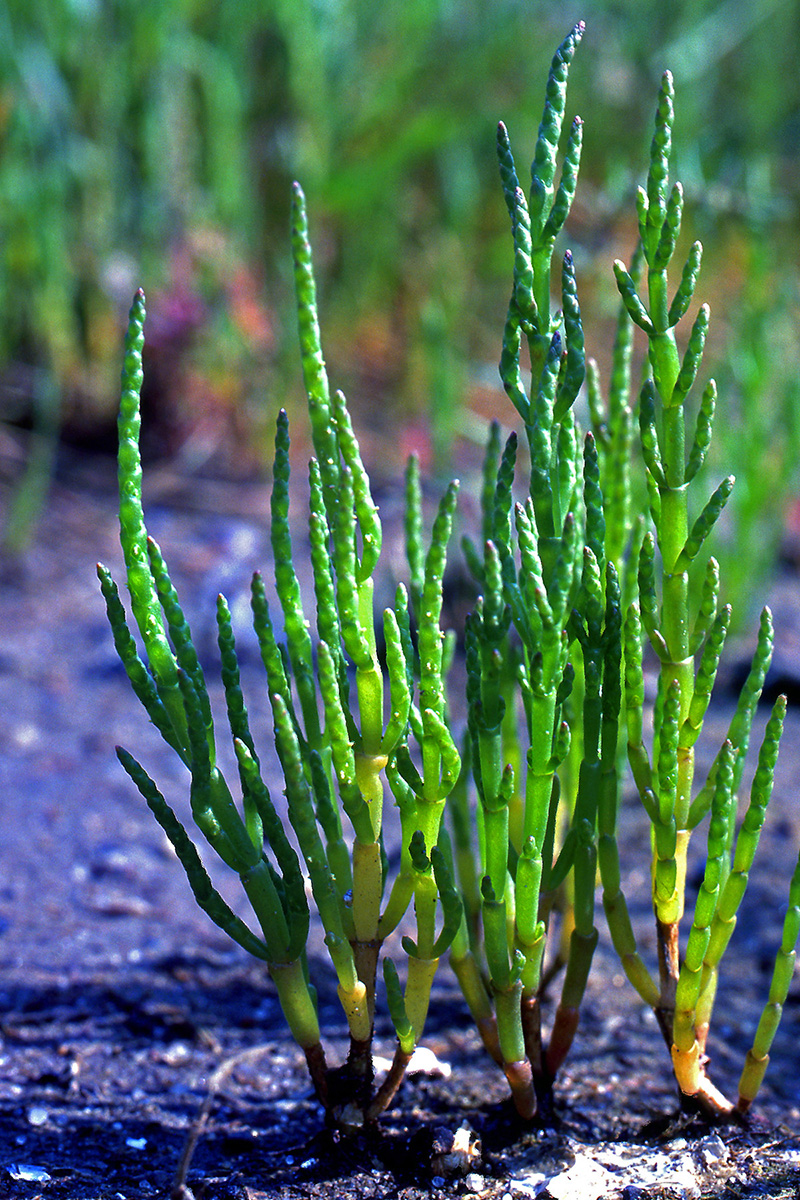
(711, 1149)
(136, 1143)
(28, 1172)
(425, 1062)
(176, 1054)
(37, 1115)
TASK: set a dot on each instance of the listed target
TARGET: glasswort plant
(569, 664)
(572, 576)
(336, 753)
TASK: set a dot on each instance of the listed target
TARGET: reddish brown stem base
(708, 1099)
(388, 1089)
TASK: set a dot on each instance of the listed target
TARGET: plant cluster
(505, 830)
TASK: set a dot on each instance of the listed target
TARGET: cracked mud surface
(119, 999)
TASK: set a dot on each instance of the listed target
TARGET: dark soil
(119, 1000)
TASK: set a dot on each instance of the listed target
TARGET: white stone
(586, 1179)
(425, 1062)
(28, 1172)
(711, 1149)
(422, 1062)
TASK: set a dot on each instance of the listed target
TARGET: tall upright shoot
(687, 635)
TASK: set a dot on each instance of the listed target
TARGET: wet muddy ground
(119, 1000)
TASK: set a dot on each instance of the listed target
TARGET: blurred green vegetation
(155, 144)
